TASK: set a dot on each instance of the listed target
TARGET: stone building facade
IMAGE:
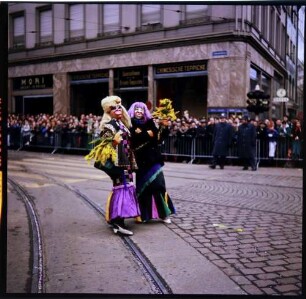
(64, 58)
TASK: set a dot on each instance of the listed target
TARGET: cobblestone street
(249, 225)
(234, 231)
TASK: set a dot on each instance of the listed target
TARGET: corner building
(65, 57)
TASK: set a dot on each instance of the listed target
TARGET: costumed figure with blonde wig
(113, 155)
(154, 201)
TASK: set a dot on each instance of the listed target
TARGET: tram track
(154, 278)
(227, 207)
(157, 284)
(37, 271)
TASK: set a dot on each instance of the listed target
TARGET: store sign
(181, 68)
(89, 76)
(281, 96)
(33, 82)
(131, 77)
(280, 99)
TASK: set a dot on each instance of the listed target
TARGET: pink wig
(146, 114)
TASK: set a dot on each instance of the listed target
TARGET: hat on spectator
(222, 115)
(106, 104)
(245, 117)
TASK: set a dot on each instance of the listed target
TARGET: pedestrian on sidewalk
(154, 201)
(113, 155)
(246, 141)
(222, 140)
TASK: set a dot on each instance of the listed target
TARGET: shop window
(45, 26)
(254, 78)
(76, 21)
(111, 19)
(257, 77)
(18, 23)
(266, 84)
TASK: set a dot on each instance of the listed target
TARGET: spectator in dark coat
(297, 139)
(262, 137)
(246, 141)
(201, 145)
(283, 140)
(222, 140)
(210, 131)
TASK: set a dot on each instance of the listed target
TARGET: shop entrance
(34, 104)
(129, 97)
(187, 93)
(86, 98)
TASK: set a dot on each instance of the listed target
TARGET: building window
(278, 44)
(18, 23)
(264, 22)
(271, 27)
(45, 26)
(255, 16)
(111, 18)
(76, 20)
(150, 14)
(283, 42)
(195, 13)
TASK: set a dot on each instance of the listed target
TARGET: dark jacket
(146, 148)
(246, 140)
(222, 139)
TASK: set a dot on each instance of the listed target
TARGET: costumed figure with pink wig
(154, 201)
(113, 155)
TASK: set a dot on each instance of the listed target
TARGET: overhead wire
(115, 26)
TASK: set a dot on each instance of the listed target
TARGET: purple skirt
(122, 203)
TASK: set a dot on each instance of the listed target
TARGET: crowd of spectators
(283, 135)
(42, 129)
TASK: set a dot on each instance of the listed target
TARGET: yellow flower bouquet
(165, 110)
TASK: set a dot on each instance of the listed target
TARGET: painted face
(116, 111)
(139, 112)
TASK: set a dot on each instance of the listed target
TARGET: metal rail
(37, 284)
(157, 282)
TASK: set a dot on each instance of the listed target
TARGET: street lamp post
(258, 101)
